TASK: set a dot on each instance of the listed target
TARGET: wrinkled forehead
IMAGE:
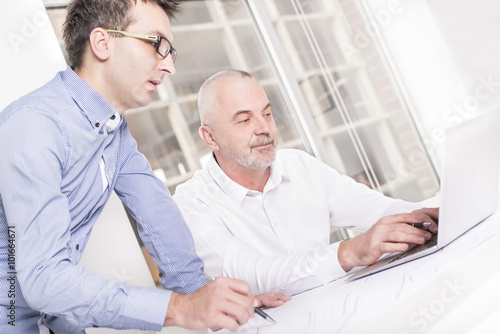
(237, 94)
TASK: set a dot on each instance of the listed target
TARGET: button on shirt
(64, 149)
(278, 239)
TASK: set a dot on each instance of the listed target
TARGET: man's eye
(154, 44)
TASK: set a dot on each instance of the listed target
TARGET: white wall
(447, 54)
(30, 53)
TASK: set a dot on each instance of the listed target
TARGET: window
(331, 92)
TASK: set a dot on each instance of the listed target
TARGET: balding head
(210, 93)
(237, 121)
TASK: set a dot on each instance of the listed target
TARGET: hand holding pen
(222, 303)
(265, 299)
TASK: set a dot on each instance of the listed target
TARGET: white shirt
(278, 240)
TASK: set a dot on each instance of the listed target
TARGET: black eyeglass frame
(156, 39)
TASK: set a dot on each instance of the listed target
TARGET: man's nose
(262, 126)
(167, 65)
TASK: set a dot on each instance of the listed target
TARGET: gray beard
(253, 162)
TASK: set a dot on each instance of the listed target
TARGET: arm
(34, 158)
(230, 240)
(193, 304)
(228, 255)
(383, 220)
(160, 224)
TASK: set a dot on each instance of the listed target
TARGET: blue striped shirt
(51, 193)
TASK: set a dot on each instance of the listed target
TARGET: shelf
(356, 124)
(308, 16)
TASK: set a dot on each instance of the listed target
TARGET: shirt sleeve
(355, 206)
(224, 254)
(160, 224)
(351, 204)
(30, 183)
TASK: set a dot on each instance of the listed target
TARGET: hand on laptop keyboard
(390, 234)
(417, 248)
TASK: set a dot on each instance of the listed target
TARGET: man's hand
(222, 303)
(390, 234)
(271, 299)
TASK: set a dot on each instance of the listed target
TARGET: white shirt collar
(237, 191)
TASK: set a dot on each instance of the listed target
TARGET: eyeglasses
(163, 45)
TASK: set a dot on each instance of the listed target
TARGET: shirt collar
(236, 191)
(97, 110)
(278, 174)
(112, 123)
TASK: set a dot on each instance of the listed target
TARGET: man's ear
(206, 133)
(99, 43)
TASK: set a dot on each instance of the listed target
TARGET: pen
(420, 225)
(264, 314)
(257, 310)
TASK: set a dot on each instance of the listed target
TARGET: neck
(250, 178)
(97, 82)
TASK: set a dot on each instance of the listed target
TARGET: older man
(264, 216)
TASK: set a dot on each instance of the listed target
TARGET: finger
(234, 314)
(283, 298)
(433, 213)
(424, 230)
(240, 299)
(236, 285)
(416, 230)
(278, 301)
(410, 234)
(225, 321)
(403, 233)
(271, 299)
(233, 297)
(430, 215)
(433, 227)
(274, 303)
(417, 216)
(408, 218)
(234, 290)
(391, 247)
(407, 238)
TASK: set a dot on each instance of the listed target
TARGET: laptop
(469, 187)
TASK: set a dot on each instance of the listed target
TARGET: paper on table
(299, 286)
(250, 327)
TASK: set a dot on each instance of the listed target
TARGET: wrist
(345, 255)
(173, 310)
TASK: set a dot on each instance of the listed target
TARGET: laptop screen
(470, 175)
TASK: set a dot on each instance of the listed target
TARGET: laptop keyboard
(417, 248)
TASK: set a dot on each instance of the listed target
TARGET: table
(454, 290)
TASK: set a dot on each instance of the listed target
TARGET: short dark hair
(86, 15)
